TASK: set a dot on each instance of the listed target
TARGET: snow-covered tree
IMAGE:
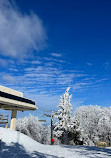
(64, 117)
(45, 134)
(104, 126)
(32, 127)
(74, 133)
(95, 124)
(88, 117)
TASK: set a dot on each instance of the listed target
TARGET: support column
(13, 119)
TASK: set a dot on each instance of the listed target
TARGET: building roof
(11, 99)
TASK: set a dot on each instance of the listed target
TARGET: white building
(13, 100)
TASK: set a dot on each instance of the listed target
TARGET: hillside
(17, 145)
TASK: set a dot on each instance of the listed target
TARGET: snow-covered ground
(17, 145)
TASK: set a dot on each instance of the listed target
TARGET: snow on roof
(11, 99)
(11, 91)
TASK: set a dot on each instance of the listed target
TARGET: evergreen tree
(74, 133)
(64, 117)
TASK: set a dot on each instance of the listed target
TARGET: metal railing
(4, 120)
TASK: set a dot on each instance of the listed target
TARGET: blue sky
(47, 46)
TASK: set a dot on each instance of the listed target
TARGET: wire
(46, 110)
(41, 116)
(43, 109)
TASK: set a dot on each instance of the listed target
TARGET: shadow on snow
(16, 150)
(89, 150)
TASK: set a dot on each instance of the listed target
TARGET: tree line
(87, 126)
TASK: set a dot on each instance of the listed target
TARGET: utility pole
(51, 129)
(52, 115)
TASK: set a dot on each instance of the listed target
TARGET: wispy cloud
(56, 60)
(102, 80)
(56, 54)
(81, 85)
(89, 64)
(3, 62)
(7, 78)
(44, 81)
(19, 33)
(46, 78)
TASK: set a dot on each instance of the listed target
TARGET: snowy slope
(17, 145)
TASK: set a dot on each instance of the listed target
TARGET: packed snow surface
(17, 145)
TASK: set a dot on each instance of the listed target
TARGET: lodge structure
(13, 100)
